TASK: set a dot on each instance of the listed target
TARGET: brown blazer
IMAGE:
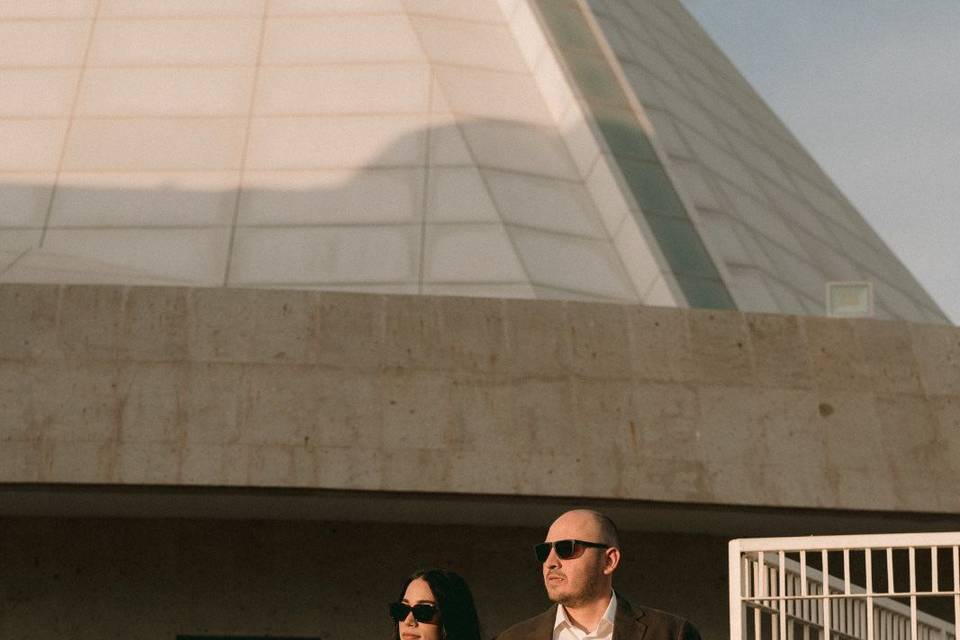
(630, 623)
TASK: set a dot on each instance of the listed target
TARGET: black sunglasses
(424, 613)
(566, 549)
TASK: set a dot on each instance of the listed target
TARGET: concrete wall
(200, 387)
(154, 579)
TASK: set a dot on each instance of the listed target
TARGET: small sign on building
(850, 299)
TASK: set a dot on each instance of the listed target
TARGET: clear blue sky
(872, 89)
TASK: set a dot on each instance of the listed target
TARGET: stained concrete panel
(473, 396)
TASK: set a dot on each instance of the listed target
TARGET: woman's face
(418, 592)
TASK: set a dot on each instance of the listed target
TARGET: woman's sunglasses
(423, 613)
(566, 549)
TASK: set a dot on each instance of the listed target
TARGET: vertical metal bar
(934, 572)
(759, 584)
(825, 563)
(868, 559)
(956, 587)
(851, 626)
(846, 571)
(889, 570)
(762, 572)
(913, 593)
(782, 592)
(803, 573)
(755, 578)
(735, 591)
(790, 584)
(839, 616)
(774, 603)
(861, 624)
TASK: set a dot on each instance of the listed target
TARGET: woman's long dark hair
(458, 615)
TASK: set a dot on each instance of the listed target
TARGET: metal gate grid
(778, 591)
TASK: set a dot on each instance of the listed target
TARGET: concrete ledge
(266, 388)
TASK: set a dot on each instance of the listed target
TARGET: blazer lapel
(628, 623)
(544, 624)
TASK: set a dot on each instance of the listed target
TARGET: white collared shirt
(563, 629)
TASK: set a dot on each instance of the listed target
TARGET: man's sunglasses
(424, 613)
(566, 549)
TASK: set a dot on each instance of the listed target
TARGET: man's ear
(611, 559)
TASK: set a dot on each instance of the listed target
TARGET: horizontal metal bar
(856, 596)
(839, 543)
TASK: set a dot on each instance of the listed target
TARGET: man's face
(578, 580)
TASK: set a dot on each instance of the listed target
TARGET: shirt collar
(605, 620)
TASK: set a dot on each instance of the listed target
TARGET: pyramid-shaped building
(217, 422)
(553, 149)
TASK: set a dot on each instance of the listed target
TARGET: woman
(435, 605)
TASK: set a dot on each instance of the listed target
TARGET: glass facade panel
(623, 134)
(597, 81)
(652, 188)
(568, 27)
(705, 293)
(682, 246)
(662, 208)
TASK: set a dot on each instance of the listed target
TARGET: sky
(872, 90)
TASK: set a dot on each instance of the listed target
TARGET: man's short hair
(609, 534)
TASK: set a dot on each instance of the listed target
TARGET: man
(579, 556)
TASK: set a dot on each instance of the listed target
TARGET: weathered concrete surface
(155, 579)
(169, 386)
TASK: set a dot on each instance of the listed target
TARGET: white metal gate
(873, 584)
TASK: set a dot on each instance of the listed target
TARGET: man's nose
(410, 621)
(553, 560)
